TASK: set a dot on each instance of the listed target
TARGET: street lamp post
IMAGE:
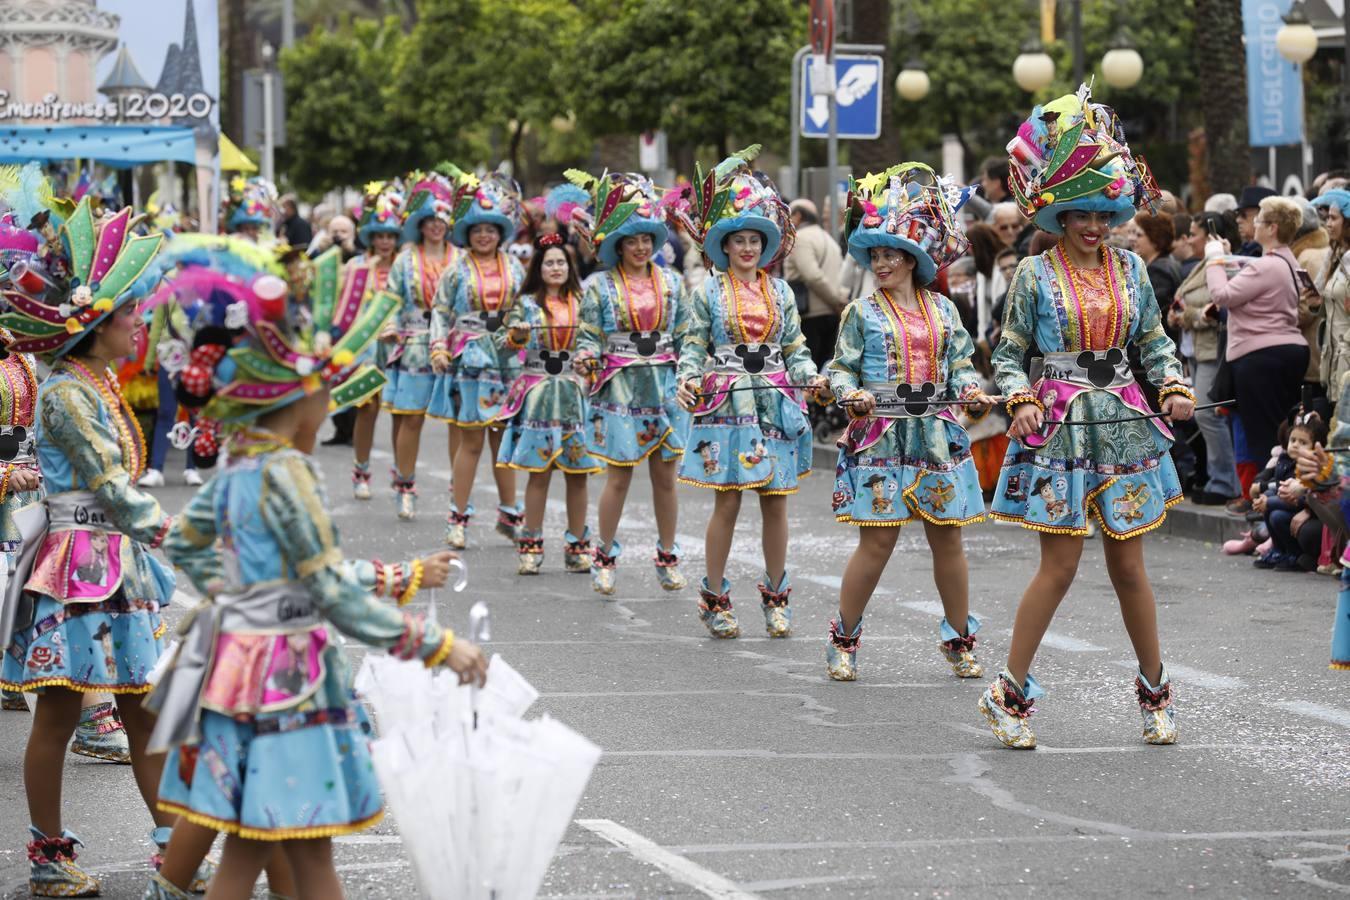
(912, 83)
(269, 139)
(1122, 66)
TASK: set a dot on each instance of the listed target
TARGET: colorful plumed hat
(253, 352)
(909, 207)
(493, 199)
(617, 204)
(85, 271)
(428, 194)
(252, 201)
(381, 210)
(734, 197)
(1071, 154)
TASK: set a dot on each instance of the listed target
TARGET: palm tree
(1223, 92)
(872, 24)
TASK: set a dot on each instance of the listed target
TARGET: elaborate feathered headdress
(253, 353)
(613, 206)
(252, 201)
(1071, 154)
(734, 197)
(493, 199)
(428, 194)
(381, 210)
(909, 207)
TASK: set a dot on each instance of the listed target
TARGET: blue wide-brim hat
(479, 216)
(712, 241)
(411, 232)
(1336, 197)
(608, 251)
(1121, 209)
(239, 218)
(387, 227)
(863, 240)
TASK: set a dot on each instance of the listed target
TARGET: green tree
(343, 126)
(1222, 93)
(705, 71)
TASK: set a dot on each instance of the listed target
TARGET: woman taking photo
(750, 431)
(546, 406)
(1334, 286)
(1081, 446)
(631, 332)
(901, 462)
(473, 369)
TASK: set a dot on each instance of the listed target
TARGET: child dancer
(1082, 303)
(546, 406)
(83, 611)
(899, 460)
(267, 742)
(750, 431)
(632, 331)
(473, 371)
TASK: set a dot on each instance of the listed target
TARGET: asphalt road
(736, 769)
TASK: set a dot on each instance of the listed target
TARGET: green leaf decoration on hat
(579, 178)
(1088, 181)
(261, 366)
(31, 327)
(78, 235)
(323, 291)
(364, 383)
(374, 313)
(611, 210)
(1068, 143)
(131, 262)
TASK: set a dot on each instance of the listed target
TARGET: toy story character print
(755, 456)
(598, 430)
(938, 494)
(1055, 507)
(1129, 507)
(1017, 487)
(104, 636)
(709, 450)
(883, 494)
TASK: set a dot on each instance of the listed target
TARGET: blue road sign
(857, 99)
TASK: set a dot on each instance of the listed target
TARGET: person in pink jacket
(1266, 351)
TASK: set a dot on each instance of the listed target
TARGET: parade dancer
(83, 610)
(251, 208)
(1081, 445)
(379, 230)
(257, 660)
(426, 255)
(901, 360)
(473, 370)
(546, 405)
(749, 431)
(632, 328)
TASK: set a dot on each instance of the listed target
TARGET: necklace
(1075, 282)
(429, 273)
(480, 283)
(896, 314)
(738, 309)
(560, 336)
(658, 288)
(129, 434)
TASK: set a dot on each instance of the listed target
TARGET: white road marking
(1065, 642)
(710, 884)
(1195, 677)
(1332, 714)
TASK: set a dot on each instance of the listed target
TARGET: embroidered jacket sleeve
(1019, 331)
(191, 542)
(72, 420)
(381, 578)
(962, 379)
(396, 283)
(846, 368)
(694, 348)
(443, 307)
(591, 335)
(1157, 353)
(295, 510)
(517, 316)
(800, 366)
(678, 301)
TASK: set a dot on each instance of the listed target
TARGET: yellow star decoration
(237, 184)
(373, 188)
(870, 184)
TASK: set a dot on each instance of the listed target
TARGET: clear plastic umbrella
(482, 796)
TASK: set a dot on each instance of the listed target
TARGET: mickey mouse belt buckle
(480, 322)
(16, 443)
(749, 359)
(548, 362)
(901, 400)
(641, 344)
(1099, 369)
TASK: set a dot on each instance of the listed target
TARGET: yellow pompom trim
(73, 326)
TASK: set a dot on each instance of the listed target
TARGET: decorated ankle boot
(602, 567)
(13, 701)
(100, 735)
(361, 481)
(959, 648)
(510, 519)
(1155, 705)
(51, 867)
(455, 524)
(200, 879)
(160, 888)
(530, 551)
(405, 498)
(1008, 708)
(841, 650)
(774, 602)
(715, 611)
(577, 552)
(668, 568)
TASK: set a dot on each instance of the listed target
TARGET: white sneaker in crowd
(152, 478)
(192, 477)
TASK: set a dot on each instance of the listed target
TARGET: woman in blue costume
(425, 257)
(267, 742)
(474, 369)
(1081, 304)
(379, 230)
(83, 612)
(632, 333)
(546, 406)
(741, 353)
(904, 461)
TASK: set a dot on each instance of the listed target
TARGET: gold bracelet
(443, 650)
(413, 586)
(1017, 400)
(1176, 387)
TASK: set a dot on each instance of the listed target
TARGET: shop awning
(118, 146)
